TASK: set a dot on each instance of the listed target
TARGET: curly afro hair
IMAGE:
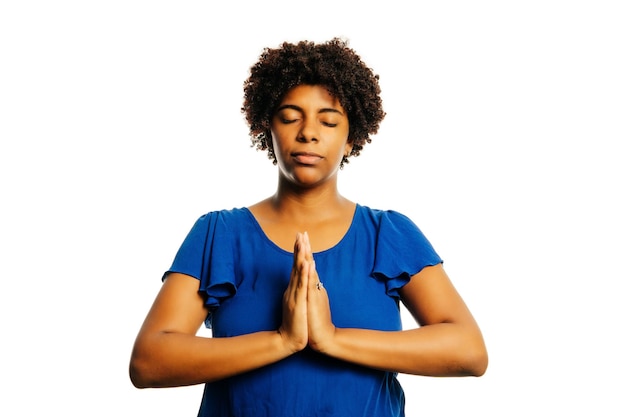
(331, 64)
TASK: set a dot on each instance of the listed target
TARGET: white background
(120, 125)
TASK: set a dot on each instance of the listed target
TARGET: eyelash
(289, 121)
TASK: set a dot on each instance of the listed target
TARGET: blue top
(243, 275)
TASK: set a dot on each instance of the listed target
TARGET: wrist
(288, 345)
(326, 345)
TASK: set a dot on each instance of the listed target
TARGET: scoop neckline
(266, 238)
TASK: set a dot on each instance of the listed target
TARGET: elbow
(467, 357)
(143, 370)
(479, 365)
(138, 374)
(476, 360)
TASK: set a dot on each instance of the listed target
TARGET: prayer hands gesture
(306, 309)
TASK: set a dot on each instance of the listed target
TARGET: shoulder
(393, 229)
(233, 215)
(227, 213)
(380, 216)
(220, 222)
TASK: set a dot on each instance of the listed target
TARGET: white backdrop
(120, 124)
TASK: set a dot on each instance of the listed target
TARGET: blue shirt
(243, 276)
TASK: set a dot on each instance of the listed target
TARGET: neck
(313, 202)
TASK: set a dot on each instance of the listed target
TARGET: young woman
(302, 290)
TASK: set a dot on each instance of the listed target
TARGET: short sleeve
(207, 254)
(401, 251)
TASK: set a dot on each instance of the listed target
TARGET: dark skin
(307, 197)
(309, 138)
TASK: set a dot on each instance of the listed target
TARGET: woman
(302, 290)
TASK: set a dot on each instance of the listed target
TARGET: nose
(309, 132)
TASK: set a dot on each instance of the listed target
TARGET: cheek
(274, 141)
(273, 138)
(347, 148)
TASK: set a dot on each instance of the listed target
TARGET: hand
(320, 327)
(294, 328)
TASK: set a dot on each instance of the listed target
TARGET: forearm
(167, 359)
(444, 349)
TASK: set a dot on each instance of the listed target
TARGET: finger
(301, 248)
(304, 275)
(307, 246)
(297, 248)
(313, 278)
(298, 254)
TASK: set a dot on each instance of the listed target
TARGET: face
(310, 135)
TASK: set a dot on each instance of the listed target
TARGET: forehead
(311, 96)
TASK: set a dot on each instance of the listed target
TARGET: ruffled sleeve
(401, 251)
(207, 254)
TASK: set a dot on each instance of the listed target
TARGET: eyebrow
(297, 108)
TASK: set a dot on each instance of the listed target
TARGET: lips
(306, 158)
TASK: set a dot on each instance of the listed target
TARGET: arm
(447, 343)
(168, 353)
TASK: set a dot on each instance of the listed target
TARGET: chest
(357, 299)
(323, 235)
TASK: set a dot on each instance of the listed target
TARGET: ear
(348, 148)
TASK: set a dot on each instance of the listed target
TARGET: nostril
(306, 138)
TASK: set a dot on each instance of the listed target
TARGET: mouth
(306, 158)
